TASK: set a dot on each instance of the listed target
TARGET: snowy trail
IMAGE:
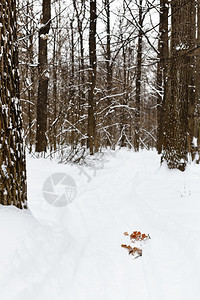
(130, 193)
(100, 260)
(95, 240)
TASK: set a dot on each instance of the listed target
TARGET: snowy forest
(100, 147)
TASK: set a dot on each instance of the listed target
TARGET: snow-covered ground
(74, 252)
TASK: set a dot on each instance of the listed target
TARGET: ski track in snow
(82, 258)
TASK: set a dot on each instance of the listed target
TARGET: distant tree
(27, 68)
(163, 57)
(138, 78)
(92, 76)
(108, 59)
(80, 13)
(12, 155)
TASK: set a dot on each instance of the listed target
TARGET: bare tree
(92, 77)
(162, 69)
(86, 101)
(138, 79)
(43, 78)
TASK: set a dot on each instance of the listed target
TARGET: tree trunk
(192, 81)
(92, 77)
(197, 118)
(138, 81)
(162, 70)
(12, 154)
(41, 141)
(108, 74)
(80, 16)
(54, 61)
(71, 90)
(124, 100)
(179, 94)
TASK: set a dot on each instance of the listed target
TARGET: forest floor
(74, 252)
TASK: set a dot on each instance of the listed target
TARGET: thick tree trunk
(41, 141)
(12, 155)
(179, 94)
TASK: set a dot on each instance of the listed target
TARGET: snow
(74, 252)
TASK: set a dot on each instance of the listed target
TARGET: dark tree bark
(41, 141)
(197, 117)
(180, 92)
(31, 75)
(162, 70)
(124, 101)
(81, 42)
(108, 73)
(92, 77)
(54, 61)
(192, 81)
(12, 154)
(80, 16)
